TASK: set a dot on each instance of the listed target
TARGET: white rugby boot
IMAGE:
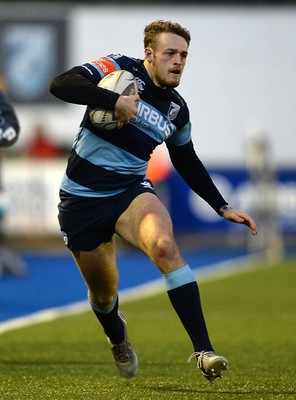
(124, 356)
(210, 364)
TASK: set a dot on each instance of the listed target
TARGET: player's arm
(192, 170)
(75, 87)
(9, 125)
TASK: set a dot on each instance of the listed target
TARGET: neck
(148, 67)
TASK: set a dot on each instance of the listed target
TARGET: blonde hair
(153, 30)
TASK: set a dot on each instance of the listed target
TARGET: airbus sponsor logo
(150, 118)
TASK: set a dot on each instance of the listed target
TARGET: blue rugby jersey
(106, 163)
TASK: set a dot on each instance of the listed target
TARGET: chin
(172, 83)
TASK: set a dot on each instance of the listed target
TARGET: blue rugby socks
(110, 321)
(184, 295)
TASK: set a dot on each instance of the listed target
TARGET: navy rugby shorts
(87, 222)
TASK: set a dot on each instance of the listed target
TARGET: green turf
(251, 319)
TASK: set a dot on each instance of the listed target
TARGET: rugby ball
(122, 82)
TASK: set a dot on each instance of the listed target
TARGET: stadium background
(240, 85)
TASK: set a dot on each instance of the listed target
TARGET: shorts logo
(65, 237)
(173, 110)
(106, 66)
(147, 185)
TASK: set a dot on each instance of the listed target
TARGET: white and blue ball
(121, 82)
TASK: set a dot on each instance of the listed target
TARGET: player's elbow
(54, 88)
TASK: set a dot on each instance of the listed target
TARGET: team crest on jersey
(173, 111)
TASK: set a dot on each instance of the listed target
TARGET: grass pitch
(251, 319)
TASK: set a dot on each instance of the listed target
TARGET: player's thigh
(98, 268)
(145, 219)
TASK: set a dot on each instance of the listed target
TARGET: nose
(177, 59)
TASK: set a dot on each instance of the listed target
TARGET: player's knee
(164, 248)
(103, 301)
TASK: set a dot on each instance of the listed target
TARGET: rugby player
(105, 190)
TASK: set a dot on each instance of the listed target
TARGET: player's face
(165, 63)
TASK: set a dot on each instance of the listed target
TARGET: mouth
(175, 71)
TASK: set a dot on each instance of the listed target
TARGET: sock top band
(179, 277)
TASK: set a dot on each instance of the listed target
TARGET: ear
(149, 54)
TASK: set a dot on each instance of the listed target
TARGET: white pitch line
(220, 270)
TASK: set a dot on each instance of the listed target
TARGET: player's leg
(147, 225)
(88, 230)
(99, 270)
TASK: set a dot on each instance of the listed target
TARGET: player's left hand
(240, 217)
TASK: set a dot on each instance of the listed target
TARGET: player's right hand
(126, 109)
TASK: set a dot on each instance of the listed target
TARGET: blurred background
(239, 83)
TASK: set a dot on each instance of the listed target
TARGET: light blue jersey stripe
(158, 126)
(112, 158)
(182, 137)
(72, 187)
